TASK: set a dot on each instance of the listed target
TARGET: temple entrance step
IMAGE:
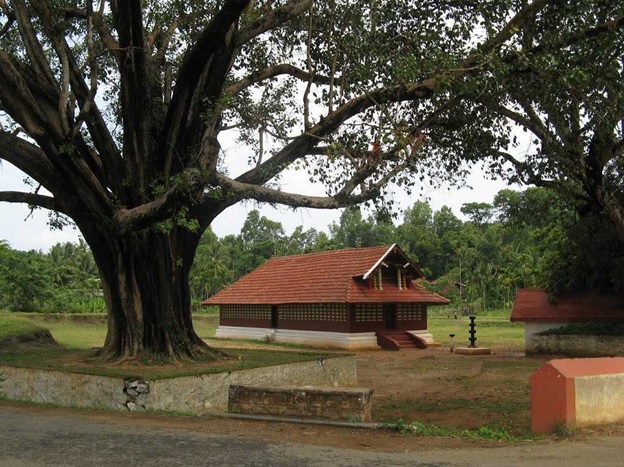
(425, 336)
(397, 340)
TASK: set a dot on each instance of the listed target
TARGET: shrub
(591, 328)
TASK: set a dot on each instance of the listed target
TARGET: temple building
(353, 298)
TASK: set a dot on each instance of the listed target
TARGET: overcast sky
(24, 231)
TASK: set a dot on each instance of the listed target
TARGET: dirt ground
(453, 391)
(438, 387)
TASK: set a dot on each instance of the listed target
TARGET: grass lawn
(83, 362)
(87, 331)
(80, 334)
(13, 325)
(493, 329)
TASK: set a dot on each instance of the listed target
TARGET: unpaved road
(40, 437)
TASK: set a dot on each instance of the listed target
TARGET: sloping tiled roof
(534, 305)
(323, 277)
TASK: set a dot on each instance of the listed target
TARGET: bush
(591, 328)
(65, 300)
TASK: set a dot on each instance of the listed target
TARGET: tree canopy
(119, 113)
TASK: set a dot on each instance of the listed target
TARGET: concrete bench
(315, 402)
(576, 393)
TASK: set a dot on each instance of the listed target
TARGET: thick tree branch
(31, 199)
(303, 144)
(103, 30)
(393, 94)
(135, 95)
(199, 85)
(269, 195)
(188, 183)
(34, 49)
(273, 19)
(31, 160)
(35, 113)
(163, 39)
(59, 45)
(10, 18)
(531, 122)
(272, 72)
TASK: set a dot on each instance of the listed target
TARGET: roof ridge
(320, 252)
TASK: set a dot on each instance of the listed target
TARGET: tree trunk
(145, 277)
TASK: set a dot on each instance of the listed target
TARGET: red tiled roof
(323, 277)
(533, 305)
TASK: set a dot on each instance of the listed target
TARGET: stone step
(397, 340)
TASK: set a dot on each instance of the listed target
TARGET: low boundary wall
(190, 394)
(577, 393)
(349, 404)
(576, 345)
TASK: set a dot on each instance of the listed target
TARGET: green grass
(81, 333)
(493, 329)
(11, 325)
(484, 432)
(85, 331)
(83, 362)
(205, 325)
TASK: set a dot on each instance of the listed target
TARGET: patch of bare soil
(454, 391)
(39, 340)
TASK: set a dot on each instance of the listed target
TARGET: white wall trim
(336, 340)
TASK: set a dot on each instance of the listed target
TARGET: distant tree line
(522, 239)
(64, 280)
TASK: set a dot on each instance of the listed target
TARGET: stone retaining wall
(576, 345)
(191, 394)
(351, 404)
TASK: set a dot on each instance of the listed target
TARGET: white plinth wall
(336, 340)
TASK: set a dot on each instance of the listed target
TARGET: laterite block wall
(576, 393)
(353, 404)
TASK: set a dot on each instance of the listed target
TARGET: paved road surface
(60, 439)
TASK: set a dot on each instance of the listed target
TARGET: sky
(24, 230)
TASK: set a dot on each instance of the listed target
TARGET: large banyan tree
(124, 115)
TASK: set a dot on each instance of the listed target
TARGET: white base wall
(425, 335)
(322, 339)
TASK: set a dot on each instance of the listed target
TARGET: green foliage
(591, 328)
(562, 431)
(65, 280)
(353, 231)
(523, 239)
(422, 429)
(527, 239)
(25, 279)
(585, 255)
